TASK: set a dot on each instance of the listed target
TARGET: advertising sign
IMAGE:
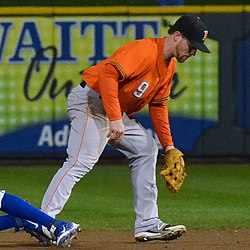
(42, 58)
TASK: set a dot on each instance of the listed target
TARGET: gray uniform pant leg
(87, 139)
(141, 150)
(2, 192)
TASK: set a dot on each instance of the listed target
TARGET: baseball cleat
(35, 230)
(162, 231)
(64, 232)
(42, 238)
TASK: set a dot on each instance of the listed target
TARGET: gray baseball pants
(87, 140)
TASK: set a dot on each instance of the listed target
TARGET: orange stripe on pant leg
(71, 166)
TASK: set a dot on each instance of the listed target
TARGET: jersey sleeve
(160, 120)
(109, 92)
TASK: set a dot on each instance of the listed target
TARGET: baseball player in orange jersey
(101, 109)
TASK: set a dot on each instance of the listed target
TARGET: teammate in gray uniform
(101, 109)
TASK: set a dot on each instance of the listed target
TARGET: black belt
(83, 84)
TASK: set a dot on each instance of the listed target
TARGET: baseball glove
(174, 170)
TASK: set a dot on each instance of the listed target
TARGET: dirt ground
(191, 240)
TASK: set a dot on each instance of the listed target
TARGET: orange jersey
(142, 77)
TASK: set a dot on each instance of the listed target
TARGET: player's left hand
(174, 169)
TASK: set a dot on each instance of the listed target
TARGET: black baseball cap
(194, 29)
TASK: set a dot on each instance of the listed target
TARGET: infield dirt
(110, 240)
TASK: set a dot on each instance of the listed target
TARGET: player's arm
(160, 120)
(109, 93)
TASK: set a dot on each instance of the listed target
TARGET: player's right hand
(116, 131)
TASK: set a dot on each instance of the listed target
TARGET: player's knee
(86, 167)
(155, 148)
(150, 152)
(152, 148)
(81, 168)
